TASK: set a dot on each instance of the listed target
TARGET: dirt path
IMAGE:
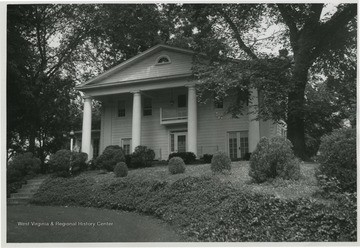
(29, 223)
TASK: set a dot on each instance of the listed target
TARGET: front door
(238, 144)
(178, 141)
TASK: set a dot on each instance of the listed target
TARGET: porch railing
(173, 115)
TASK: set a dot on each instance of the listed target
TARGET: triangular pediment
(145, 66)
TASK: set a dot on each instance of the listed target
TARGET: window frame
(147, 108)
(123, 144)
(121, 109)
(163, 57)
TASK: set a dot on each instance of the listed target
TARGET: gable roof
(136, 59)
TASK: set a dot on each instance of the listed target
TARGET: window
(164, 59)
(244, 143)
(121, 108)
(182, 101)
(126, 144)
(147, 106)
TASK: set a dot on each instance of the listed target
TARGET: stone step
(28, 190)
(32, 183)
(21, 195)
(12, 201)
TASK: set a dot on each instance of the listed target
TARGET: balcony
(173, 116)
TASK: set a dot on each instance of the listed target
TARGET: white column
(136, 120)
(254, 126)
(86, 129)
(192, 119)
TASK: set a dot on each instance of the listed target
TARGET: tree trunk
(296, 104)
(32, 138)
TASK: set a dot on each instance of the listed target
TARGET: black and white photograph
(180, 124)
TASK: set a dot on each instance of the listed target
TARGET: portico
(189, 120)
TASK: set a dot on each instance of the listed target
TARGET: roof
(92, 82)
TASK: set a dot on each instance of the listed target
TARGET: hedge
(208, 210)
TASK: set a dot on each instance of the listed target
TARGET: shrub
(207, 158)
(13, 188)
(176, 165)
(110, 157)
(274, 158)
(63, 160)
(25, 164)
(338, 158)
(13, 175)
(142, 157)
(220, 162)
(200, 204)
(247, 156)
(128, 159)
(120, 169)
(78, 161)
(187, 157)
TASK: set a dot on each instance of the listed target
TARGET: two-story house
(151, 100)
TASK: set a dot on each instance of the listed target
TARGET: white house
(151, 100)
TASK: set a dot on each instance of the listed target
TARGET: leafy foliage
(207, 158)
(274, 158)
(65, 163)
(208, 210)
(112, 155)
(36, 77)
(120, 169)
(19, 169)
(338, 158)
(176, 165)
(220, 162)
(142, 157)
(187, 157)
(303, 53)
(53, 47)
(22, 165)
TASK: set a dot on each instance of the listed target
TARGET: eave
(131, 82)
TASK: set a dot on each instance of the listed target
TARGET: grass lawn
(29, 223)
(239, 178)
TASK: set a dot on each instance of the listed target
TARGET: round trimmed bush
(110, 157)
(338, 157)
(176, 165)
(274, 158)
(121, 169)
(61, 161)
(220, 162)
(142, 157)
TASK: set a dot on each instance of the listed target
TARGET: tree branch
(289, 21)
(237, 35)
(327, 30)
(314, 15)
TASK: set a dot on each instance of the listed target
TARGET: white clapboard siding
(147, 68)
(213, 126)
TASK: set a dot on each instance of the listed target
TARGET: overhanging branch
(237, 35)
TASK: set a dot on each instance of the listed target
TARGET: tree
(309, 35)
(53, 47)
(39, 91)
